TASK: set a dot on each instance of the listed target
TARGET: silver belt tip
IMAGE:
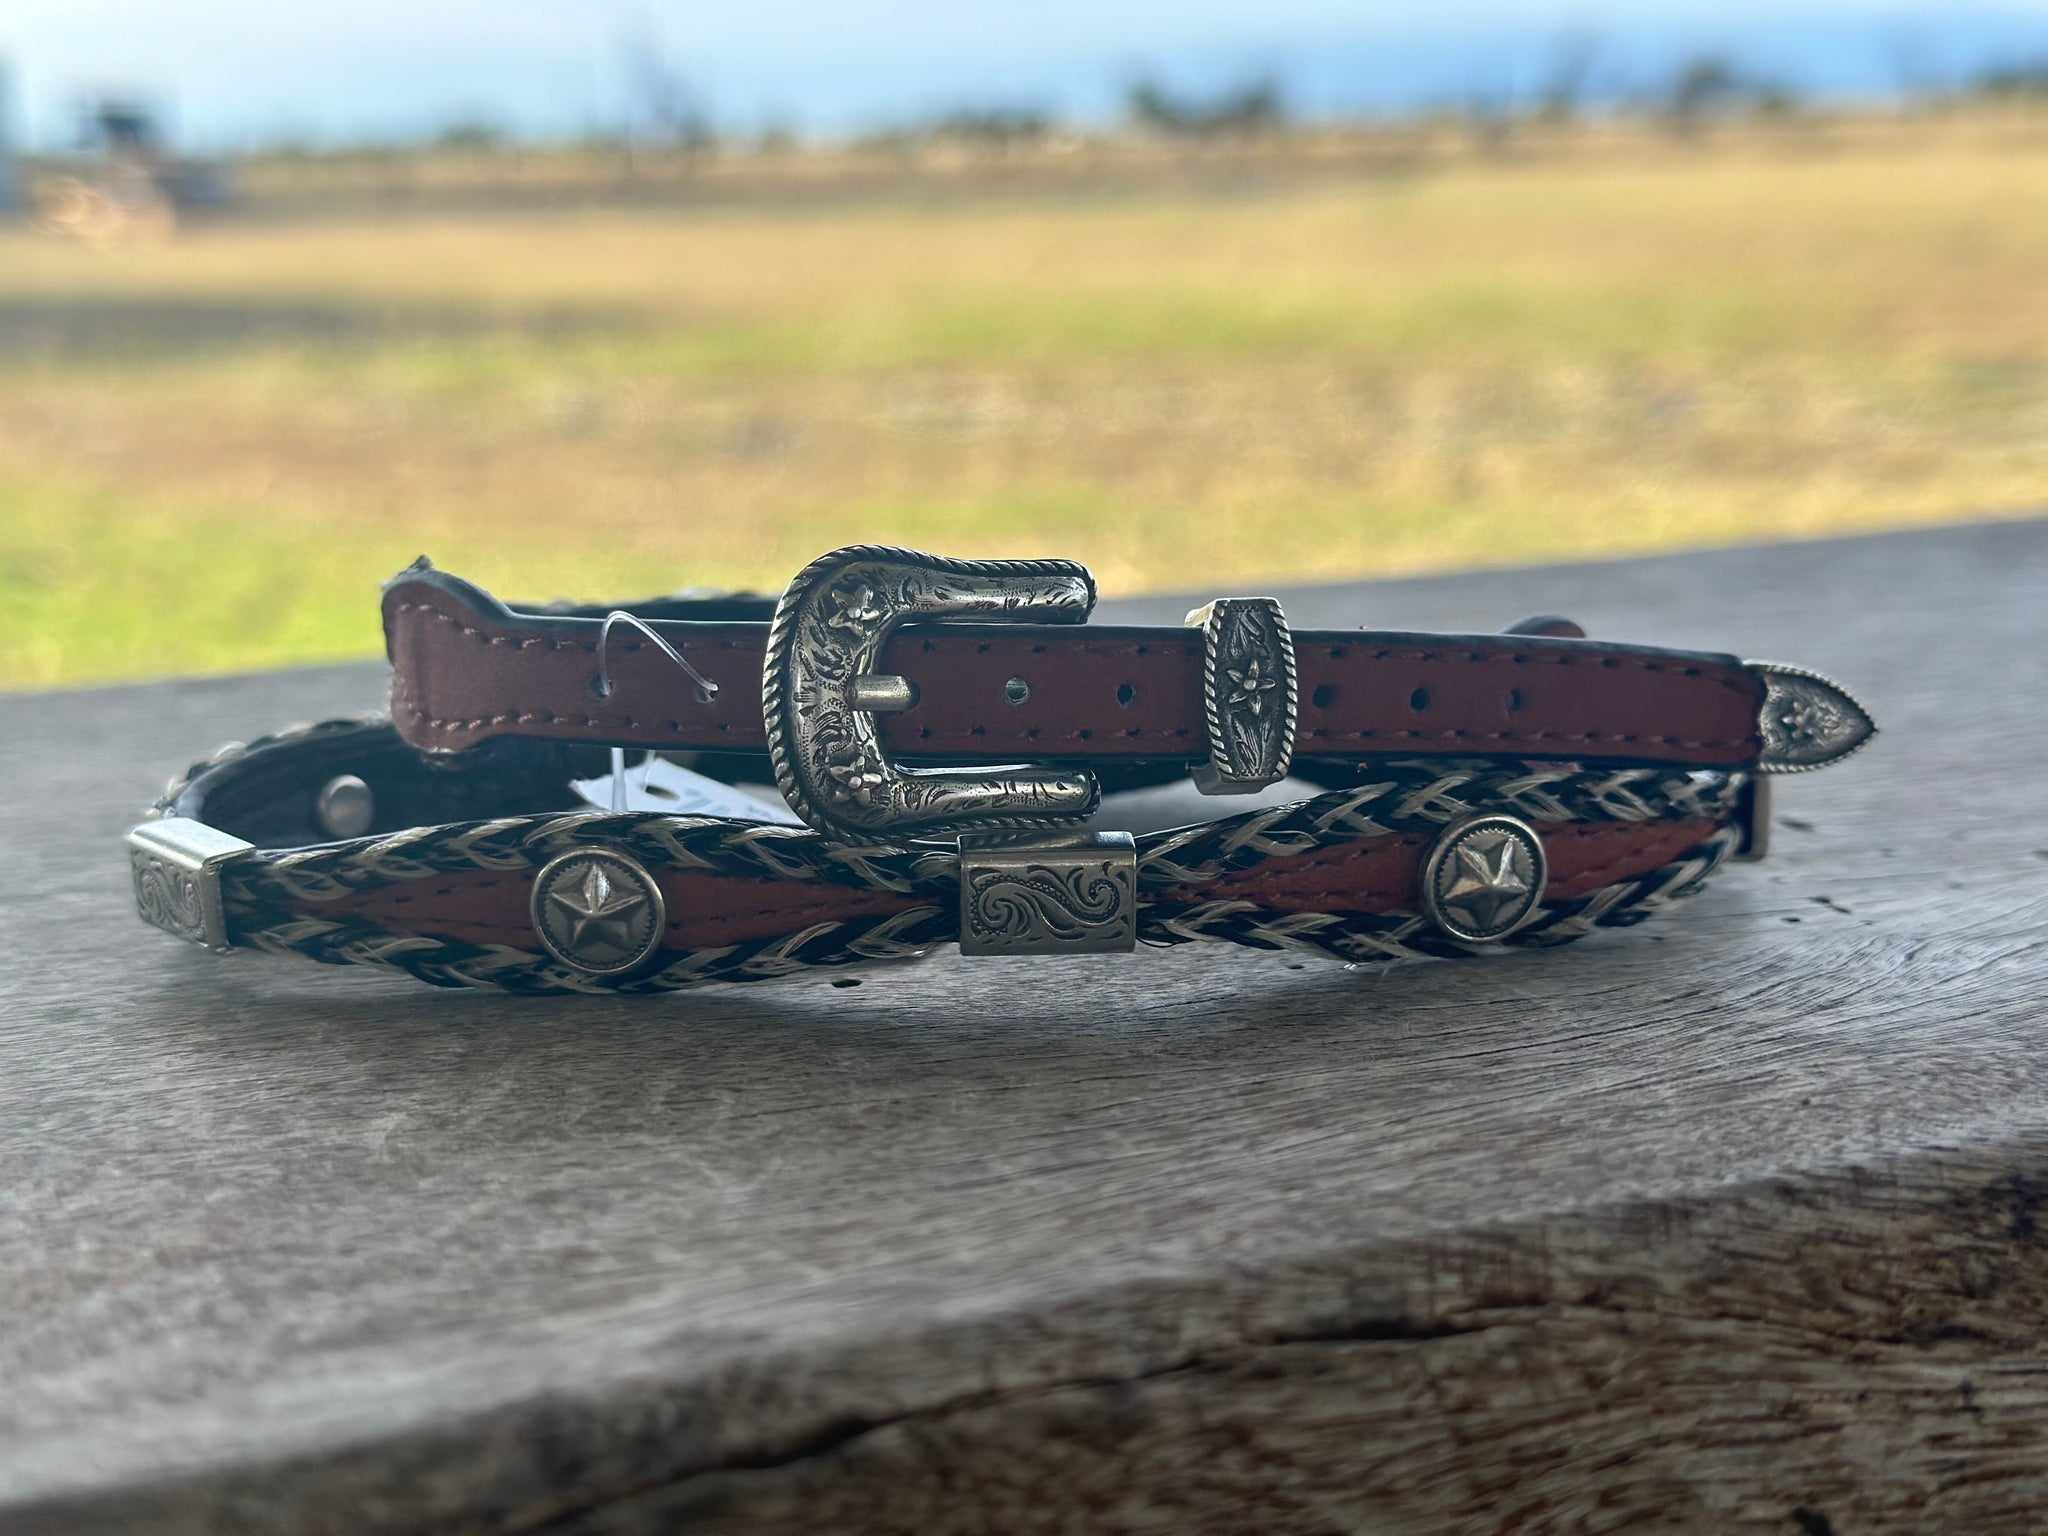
(1806, 721)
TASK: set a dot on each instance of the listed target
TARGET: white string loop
(606, 687)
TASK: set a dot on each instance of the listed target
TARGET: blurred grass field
(211, 453)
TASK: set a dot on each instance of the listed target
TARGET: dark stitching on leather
(1738, 684)
(1637, 853)
(1324, 733)
(532, 642)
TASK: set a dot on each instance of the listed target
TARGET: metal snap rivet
(345, 807)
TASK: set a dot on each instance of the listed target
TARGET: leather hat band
(470, 874)
(1480, 790)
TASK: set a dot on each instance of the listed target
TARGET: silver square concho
(1068, 895)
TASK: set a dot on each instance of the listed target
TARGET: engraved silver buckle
(821, 693)
(176, 864)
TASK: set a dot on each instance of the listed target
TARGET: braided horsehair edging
(264, 893)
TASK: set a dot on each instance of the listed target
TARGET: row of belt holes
(1016, 691)
(1326, 695)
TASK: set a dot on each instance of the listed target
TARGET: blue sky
(235, 71)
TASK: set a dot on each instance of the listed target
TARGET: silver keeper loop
(1250, 694)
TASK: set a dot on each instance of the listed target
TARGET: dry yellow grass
(229, 441)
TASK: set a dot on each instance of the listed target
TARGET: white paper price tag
(659, 785)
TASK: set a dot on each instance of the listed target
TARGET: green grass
(1499, 323)
(92, 587)
(95, 586)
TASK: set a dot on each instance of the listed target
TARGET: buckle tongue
(820, 692)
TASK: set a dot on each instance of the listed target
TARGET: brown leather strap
(706, 911)
(466, 669)
(443, 883)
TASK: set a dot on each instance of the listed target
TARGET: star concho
(1483, 878)
(597, 911)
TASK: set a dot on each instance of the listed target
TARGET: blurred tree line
(666, 114)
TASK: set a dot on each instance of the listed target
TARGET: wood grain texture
(1736, 1221)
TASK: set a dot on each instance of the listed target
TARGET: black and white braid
(1425, 797)
(266, 893)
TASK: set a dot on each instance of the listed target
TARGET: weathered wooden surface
(1732, 1222)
